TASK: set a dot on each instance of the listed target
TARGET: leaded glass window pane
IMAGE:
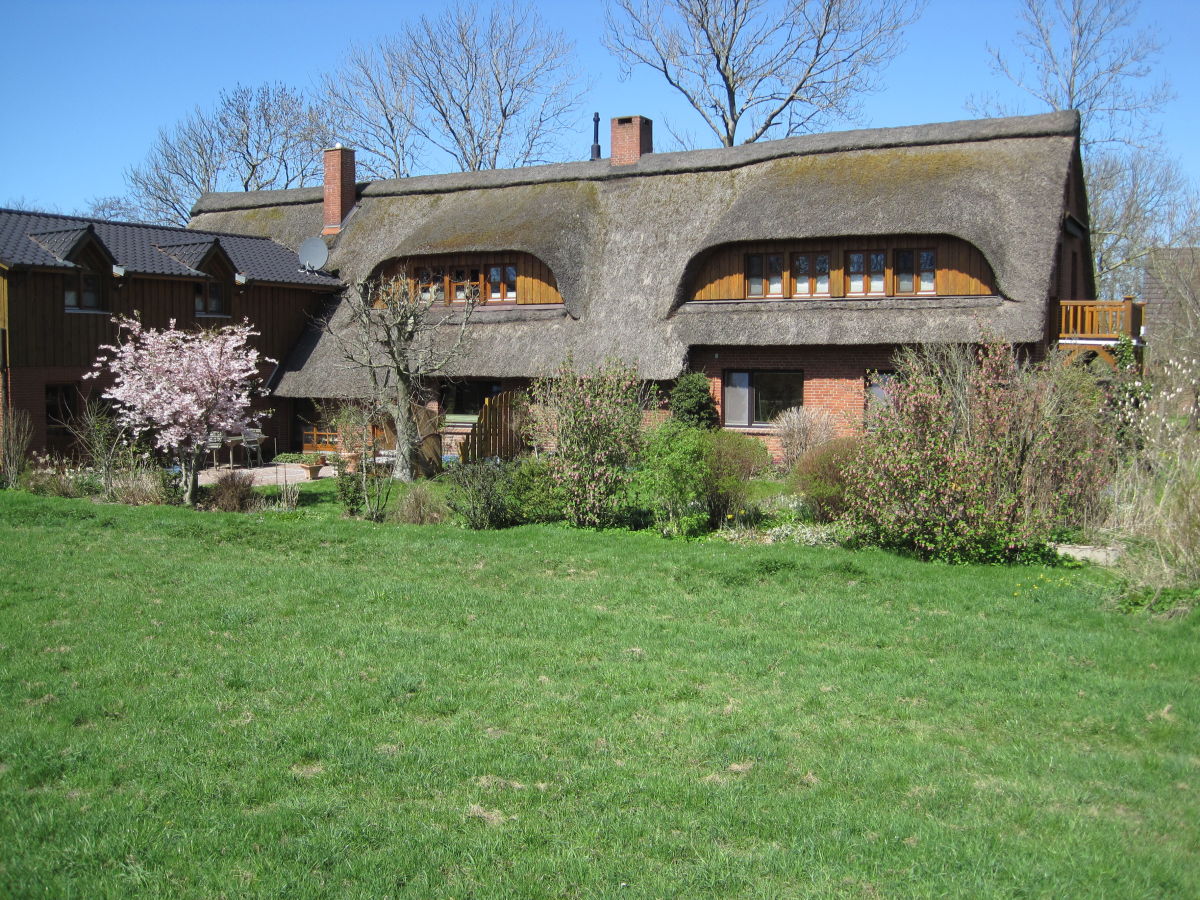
(854, 264)
(775, 274)
(754, 276)
(822, 267)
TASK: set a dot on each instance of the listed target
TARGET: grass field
(199, 704)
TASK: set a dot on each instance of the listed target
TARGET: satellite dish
(313, 253)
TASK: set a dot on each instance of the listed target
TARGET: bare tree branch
(400, 337)
(371, 106)
(255, 139)
(1088, 55)
(790, 67)
(491, 92)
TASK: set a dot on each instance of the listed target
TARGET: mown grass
(292, 705)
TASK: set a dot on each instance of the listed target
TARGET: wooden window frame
(752, 395)
(763, 261)
(917, 272)
(811, 292)
(454, 392)
(74, 286)
(868, 273)
(211, 299)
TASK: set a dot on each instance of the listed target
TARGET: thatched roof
(620, 240)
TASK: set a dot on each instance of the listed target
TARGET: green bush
(592, 420)
(350, 490)
(691, 401)
(734, 459)
(480, 494)
(676, 477)
(692, 479)
(979, 456)
(534, 494)
(819, 476)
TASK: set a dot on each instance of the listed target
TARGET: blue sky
(90, 83)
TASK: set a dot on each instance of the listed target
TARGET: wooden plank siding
(44, 333)
(962, 270)
(535, 282)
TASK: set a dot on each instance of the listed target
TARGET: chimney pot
(340, 189)
(632, 138)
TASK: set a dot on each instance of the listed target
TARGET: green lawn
(199, 704)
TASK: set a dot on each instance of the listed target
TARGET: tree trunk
(189, 470)
(406, 435)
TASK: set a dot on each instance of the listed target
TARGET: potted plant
(312, 463)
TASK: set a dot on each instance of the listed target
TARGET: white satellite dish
(313, 254)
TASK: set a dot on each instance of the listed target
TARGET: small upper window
(83, 290)
(764, 275)
(211, 299)
(865, 271)
(810, 274)
(464, 285)
(502, 283)
(430, 286)
(916, 271)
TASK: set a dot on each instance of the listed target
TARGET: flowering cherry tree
(180, 385)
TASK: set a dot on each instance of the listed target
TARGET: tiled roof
(44, 240)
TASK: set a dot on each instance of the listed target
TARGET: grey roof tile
(43, 239)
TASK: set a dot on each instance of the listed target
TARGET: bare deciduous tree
(400, 336)
(788, 68)
(1088, 55)
(370, 105)
(492, 91)
(255, 139)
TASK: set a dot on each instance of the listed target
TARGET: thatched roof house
(652, 256)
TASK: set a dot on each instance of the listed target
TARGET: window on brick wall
(63, 402)
(757, 396)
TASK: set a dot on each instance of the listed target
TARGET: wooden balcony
(1099, 321)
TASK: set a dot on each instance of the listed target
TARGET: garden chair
(213, 443)
(252, 443)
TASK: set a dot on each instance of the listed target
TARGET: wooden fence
(498, 429)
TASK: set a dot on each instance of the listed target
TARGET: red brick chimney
(632, 136)
(339, 187)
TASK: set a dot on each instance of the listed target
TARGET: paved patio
(270, 473)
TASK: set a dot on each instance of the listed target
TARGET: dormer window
(865, 272)
(211, 299)
(502, 283)
(916, 271)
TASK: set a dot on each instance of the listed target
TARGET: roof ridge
(95, 220)
(962, 131)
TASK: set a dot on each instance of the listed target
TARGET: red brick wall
(834, 377)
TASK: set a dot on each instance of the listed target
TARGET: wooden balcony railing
(1099, 320)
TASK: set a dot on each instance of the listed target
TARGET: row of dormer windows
(862, 273)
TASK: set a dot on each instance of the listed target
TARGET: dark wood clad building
(63, 279)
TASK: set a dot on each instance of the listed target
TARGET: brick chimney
(632, 136)
(339, 187)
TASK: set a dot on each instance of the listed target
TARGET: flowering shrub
(592, 420)
(978, 457)
(178, 386)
